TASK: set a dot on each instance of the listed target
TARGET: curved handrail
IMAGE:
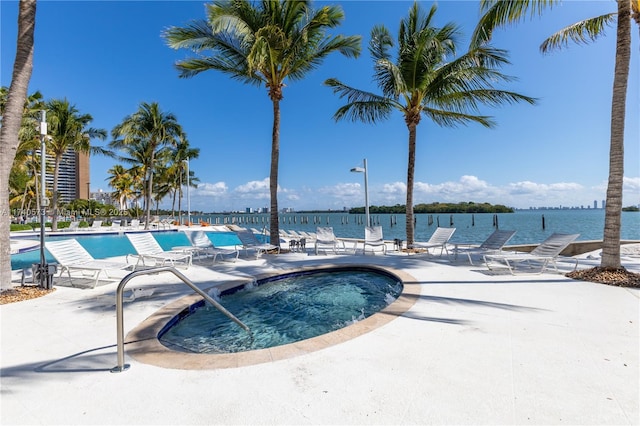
(120, 309)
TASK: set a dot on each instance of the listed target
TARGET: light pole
(188, 197)
(366, 188)
(44, 202)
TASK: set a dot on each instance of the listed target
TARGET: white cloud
(253, 189)
(209, 190)
(521, 194)
(632, 185)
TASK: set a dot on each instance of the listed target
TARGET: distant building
(603, 204)
(103, 197)
(73, 176)
(595, 204)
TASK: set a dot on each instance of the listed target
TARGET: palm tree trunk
(273, 177)
(411, 164)
(613, 210)
(11, 121)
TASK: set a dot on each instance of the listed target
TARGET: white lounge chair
(373, 239)
(73, 227)
(440, 238)
(71, 256)
(250, 242)
(95, 226)
(135, 224)
(493, 244)
(201, 245)
(147, 248)
(325, 238)
(545, 253)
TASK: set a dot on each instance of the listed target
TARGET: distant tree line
(468, 207)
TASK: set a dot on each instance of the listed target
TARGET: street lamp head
(358, 170)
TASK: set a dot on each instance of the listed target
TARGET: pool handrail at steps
(120, 307)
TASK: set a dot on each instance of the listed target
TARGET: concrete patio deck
(477, 347)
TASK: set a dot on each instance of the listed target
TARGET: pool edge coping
(142, 343)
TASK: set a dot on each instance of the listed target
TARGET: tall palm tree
(68, 130)
(420, 82)
(266, 42)
(143, 135)
(11, 121)
(181, 154)
(499, 13)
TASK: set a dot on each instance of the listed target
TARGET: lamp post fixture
(366, 188)
(188, 197)
(43, 268)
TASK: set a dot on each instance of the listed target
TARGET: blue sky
(107, 57)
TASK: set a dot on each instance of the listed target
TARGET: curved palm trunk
(613, 210)
(11, 121)
(274, 233)
(411, 164)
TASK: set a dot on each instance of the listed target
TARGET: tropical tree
(181, 155)
(162, 182)
(68, 130)
(499, 13)
(142, 136)
(25, 163)
(266, 42)
(122, 183)
(11, 122)
(419, 81)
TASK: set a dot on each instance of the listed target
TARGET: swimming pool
(116, 244)
(144, 344)
(283, 310)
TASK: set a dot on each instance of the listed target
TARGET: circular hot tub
(296, 312)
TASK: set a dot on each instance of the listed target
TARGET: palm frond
(361, 106)
(501, 13)
(196, 36)
(389, 78)
(380, 44)
(582, 32)
(447, 118)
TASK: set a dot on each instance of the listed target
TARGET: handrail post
(120, 309)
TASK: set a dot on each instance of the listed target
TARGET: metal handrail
(120, 309)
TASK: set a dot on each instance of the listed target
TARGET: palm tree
(421, 82)
(498, 13)
(143, 135)
(181, 154)
(29, 135)
(68, 130)
(11, 121)
(122, 183)
(266, 43)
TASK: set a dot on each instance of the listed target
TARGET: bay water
(470, 228)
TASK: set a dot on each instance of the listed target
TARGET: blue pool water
(109, 245)
(284, 310)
